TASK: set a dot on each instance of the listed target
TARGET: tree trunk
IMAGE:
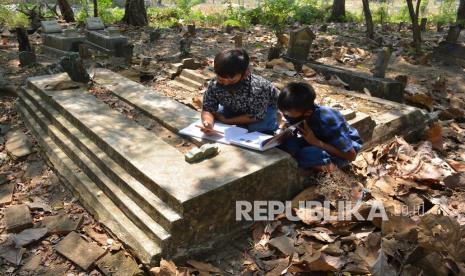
(95, 8)
(453, 33)
(461, 14)
(338, 11)
(135, 13)
(415, 26)
(23, 40)
(368, 19)
(66, 11)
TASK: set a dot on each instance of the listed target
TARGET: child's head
(297, 100)
(231, 66)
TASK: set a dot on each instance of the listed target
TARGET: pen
(213, 130)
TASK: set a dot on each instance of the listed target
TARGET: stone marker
(79, 251)
(61, 224)
(190, 63)
(155, 35)
(84, 52)
(18, 144)
(299, 43)
(238, 40)
(348, 114)
(33, 263)
(94, 23)
(26, 58)
(6, 192)
(9, 252)
(185, 46)
(191, 29)
(199, 154)
(382, 61)
(17, 218)
(118, 265)
(33, 169)
(74, 67)
(50, 27)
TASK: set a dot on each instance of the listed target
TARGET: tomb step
(109, 188)
(138, 192)
(181, 85)
(91, 196)
(364, 124)
(115, 137)
(195, 75)
(188, 82)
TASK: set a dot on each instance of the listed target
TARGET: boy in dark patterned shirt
(325, 139)
(237, 97)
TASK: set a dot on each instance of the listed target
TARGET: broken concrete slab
(62, 224)
(79, 251)
(39, 204)
(32, 263)
(17, 218)
(118, 264)
(18, 144)
(29, 236)
(10, 253)
(34, 169)
(364, 124)
(383, 88)
(4, 129)
(191, 63)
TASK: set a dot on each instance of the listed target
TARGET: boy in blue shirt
(325, 139)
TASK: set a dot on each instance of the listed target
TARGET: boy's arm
(209, 106)
(238, 120)
(310, 137)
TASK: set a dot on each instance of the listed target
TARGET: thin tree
(368, 19)
(66, 11)
(338, 11)
(95, 8)
(414, 13)
(135, 13)
(461, 14)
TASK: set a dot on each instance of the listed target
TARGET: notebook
(229, 132)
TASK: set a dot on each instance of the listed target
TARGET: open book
(230, 134)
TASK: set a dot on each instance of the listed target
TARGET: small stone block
(6, 192)
(364, 124)
(61, 224)
(190, 63)
(348, 114)
(79, 251)
(17, 218)
(50, 27)
(94, 23)
(118, 265)
(113, 31)
(204, 152)
(71, 33)
(18, 144)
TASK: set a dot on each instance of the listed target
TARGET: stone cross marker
(94, 23)
(50, 27)
(299, 43)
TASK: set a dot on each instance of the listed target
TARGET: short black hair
(298, 96)
(229, 63)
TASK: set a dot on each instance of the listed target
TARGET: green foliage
(165, 17)
(353, 17)
(381, 14)
(309, 12)
(402, 15)
(447, 12)
(12, 18)
(276, 13)
(108, 14)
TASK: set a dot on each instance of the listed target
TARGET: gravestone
(299, 43)
(58, 42)
(185, 46)
(238, 41)
(154, 35)
(109, 41)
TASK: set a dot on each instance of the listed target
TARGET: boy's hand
(308, 134)
(207, 128)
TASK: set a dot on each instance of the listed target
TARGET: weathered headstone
(84, 52)
(382, 61)
(190, 63)
(18, 144)
(79, 251)
(299, 43)
(185, 46)
(50, 27)
(125, 51)
(26, 52)
(94, 23)
(58, 42)
(155, 35)
(17, 218)
(238, 41)
(191, 29)
(6, 190)
(26, 58)
(74, 67)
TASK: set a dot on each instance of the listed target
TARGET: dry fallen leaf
(283, 244)
(434, 135)
(204, 266)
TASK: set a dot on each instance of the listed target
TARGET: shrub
(309, 14)
(276, 14)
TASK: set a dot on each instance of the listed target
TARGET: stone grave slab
(61, 224)
(383, 88)
(6, 192)
(59, 42)
(79, 251)
(17, 218)
(118, 264)
(139, 186)
(109, 40)
(18, 145)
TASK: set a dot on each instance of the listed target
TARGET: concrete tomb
(109, 40)
(59, 42)
(139, 186)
